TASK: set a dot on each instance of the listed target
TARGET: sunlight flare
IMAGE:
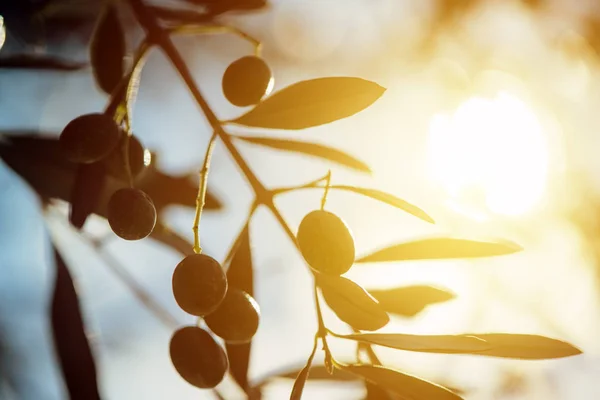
(490, 155)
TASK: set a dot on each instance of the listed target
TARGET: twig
(200, 199)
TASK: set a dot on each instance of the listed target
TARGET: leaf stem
(219, 29)
(200, 199)
(327, 184)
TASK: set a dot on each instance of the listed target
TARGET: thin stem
(322, 332)
(200, 199)
(327, 184)
(218, 29)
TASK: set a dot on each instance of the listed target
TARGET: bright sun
(490, 155)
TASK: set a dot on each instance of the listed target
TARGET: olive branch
(224, 303)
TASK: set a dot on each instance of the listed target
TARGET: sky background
(525, 81)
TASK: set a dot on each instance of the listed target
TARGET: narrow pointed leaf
(407, 386)
(2, 32)
(86, 192)
(41, 62)
(388, 199)
(107, 50)
(351, 303)
(411, 300)
(526, 347)
(312, 102)
(240, 275)
(444, 344)
(303, 376)
(375, 392)
(313, 149)
(441, 248)
(319, 372)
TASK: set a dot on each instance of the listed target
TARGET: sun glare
(490, 155)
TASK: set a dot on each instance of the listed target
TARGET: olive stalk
(200, 199)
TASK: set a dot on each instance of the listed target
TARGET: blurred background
(489, 123)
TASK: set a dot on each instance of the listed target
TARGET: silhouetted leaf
(526, 347)
(388, 199)
(217, 7)
(87, 189)
(445, 344)
(407, 386)
(181, 16)
(441, 248)
(2, 32)
(107, 50)
(319, 372)
(312, 102)
(409, 301)
(351, 303)
(27, 61)
(303, 376)
(313, 149)
(70, 340)
(375, 392)
(240, 275)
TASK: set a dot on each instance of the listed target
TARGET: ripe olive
(326, 242)
(131, 214)
(246, 81)
(89, 138)
(237, 317)
(199, 284)
(197, 357)
(138, 158)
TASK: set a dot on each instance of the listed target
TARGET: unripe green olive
(89, 138)
(199, 284)
(237, 317)
(138, 158)
(197, 357)
(131, 214)
(246, 81)
(326, 242)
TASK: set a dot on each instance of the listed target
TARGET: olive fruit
(197, 357)
(246, 81)
(89, 138)
(199, 284)
(326, 242)
(131, 214)
(236, 319)
(138, 158)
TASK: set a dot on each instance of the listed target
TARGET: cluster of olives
(199, 282)
(97, 138)
(326, 243)
(200, 288)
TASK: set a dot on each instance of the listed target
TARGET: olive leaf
(407, 386)
(311, 103)
(240, 275)
(444, 344)
(303, 376)
(351, 303)
(375, 392)
(410, 300)
(85, 194)
(2, 32)
(107, 50)
(525, 347)
(388, 199)
(180, 16)
(317, 372)
(441, 248)
(43, 62)
(313, 149)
